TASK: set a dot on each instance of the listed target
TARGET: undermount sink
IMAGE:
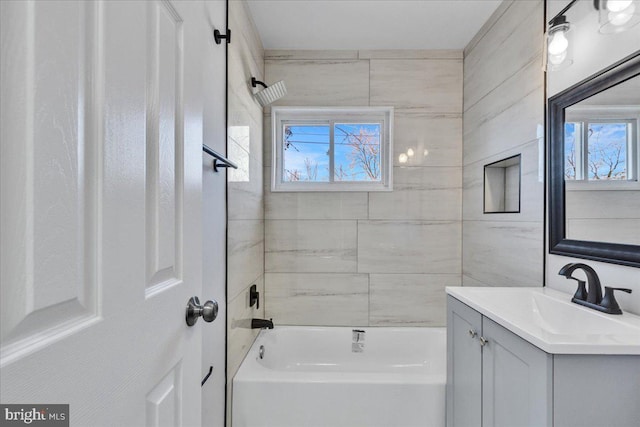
(549, 320)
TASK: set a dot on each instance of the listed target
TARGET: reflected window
(600, 149)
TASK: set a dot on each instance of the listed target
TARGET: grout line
(368, 299)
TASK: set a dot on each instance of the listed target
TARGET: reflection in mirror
(601, 160)
(594, 161)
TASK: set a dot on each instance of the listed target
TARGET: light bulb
(618, 5)
(402, 158)
(410, 152)
(620, 18)
(558, 43)
(426, 152)
(558, 59)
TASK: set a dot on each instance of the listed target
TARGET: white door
(101, 202)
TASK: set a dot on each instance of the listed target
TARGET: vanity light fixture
(558, 46)
(617, 15)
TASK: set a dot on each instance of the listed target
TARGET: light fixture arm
(563, 11)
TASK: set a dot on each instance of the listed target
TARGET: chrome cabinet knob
(483, 341)
(208, 311)
(472, 333)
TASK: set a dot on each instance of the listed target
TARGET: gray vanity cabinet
(464, 365)
(494, 378)
(516, 380)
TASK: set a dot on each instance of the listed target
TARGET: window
(601, 149)
(332, 149)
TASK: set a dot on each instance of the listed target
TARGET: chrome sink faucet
(591, 296)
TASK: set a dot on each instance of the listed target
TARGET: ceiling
(369, 24)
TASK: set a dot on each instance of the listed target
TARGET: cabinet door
(464, 365)
(516, 380)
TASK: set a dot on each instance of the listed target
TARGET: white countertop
(549, 320)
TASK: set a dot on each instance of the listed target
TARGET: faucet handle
(609, 301)
(581, 292)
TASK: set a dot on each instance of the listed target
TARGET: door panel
(164, 145)
(101, 198)
(49, 281)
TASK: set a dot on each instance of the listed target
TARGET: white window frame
(586, 114)
(280, 116)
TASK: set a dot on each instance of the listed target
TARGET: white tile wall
(409, 299)
(514, 40)
(503, 108)
(245, 254)
(435, 139)
(409, 247)
(420, 193)
(503, 253)
(316, 206)
(329, 299)
(433, 85)
(322, 249)
(312, 246)
(321, 82)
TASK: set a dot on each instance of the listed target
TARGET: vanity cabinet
(495, 378)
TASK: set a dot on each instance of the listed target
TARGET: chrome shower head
(269, 94)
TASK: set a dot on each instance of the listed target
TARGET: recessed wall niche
(502, 186)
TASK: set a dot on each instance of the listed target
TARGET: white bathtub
(310, 376)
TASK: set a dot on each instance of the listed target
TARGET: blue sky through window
(357, 154)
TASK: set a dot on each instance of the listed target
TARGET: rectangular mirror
(594, 158)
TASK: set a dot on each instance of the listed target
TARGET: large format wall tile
(510, 44)
(310, 246)
(503, 253)
(511, 91)
(436, 139)
(420, 193)
(321, 83)
(317, 299)
(316, 205)
(435, 85)
(409, 247)
(245, 254)
(514, 126)
(312, 240)
(409, 299)
(504, 108)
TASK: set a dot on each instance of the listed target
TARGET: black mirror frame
(614, 253)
